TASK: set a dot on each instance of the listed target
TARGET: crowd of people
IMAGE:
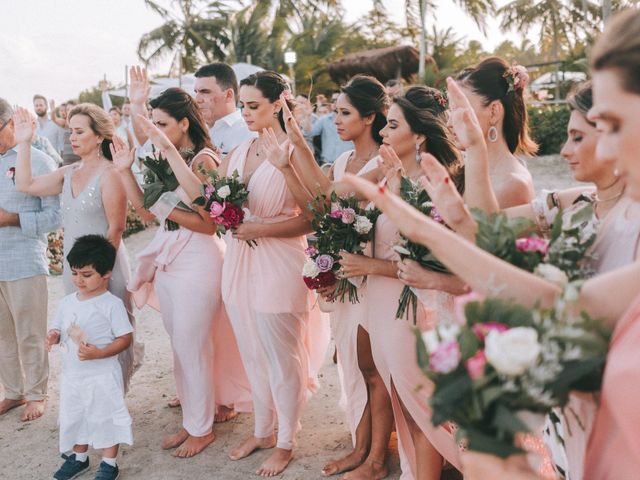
(247, 334)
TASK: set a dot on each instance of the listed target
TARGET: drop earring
(418, 157)
(616, 172)
(275, 114)
(492, 134)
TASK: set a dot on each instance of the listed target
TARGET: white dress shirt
(229, 131)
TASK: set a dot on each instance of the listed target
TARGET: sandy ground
(29, 451)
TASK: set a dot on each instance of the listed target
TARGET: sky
(59, 48)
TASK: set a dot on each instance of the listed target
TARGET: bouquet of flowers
(504, 365)
(561, 258)
(416, 196)
(223, 198)
(158, 179)
(339, 225)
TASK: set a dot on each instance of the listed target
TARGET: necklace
(597, 199)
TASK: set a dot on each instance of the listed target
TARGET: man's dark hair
(223, 73)
(92, 251)
(39, 97)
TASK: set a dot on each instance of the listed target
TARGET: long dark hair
(368, 97)
(425, 110)
(178, 104)
(271, 85)
(487, 79)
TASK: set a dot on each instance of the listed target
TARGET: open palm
(22, 125)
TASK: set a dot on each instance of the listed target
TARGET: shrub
(548, 125)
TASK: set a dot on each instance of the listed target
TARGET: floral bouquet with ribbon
(223, 198)
(415, 195)
(340, 225)
(503, 366)
(561, 258)
(159, 185)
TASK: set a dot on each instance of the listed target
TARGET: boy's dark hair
(223, 73)
(92, 251)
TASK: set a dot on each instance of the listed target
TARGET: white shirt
(102, 319)
(230, 131)
(47, 128)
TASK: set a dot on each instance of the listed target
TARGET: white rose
(401, 250)
(363, 225)
(512, 352)
(552, 273)
(431, 340)
(224, 192)
(310, 269)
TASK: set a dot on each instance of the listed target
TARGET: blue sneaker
(71, 468)
(107, 472)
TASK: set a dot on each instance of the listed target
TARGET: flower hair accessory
(442, 99)
(517, 77)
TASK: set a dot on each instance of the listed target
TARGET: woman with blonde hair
(93, 198)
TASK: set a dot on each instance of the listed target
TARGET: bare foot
(8, 404)
(224, 414)
(250, 445)
(33, 410)
(194, 445)
(344, 464)
(174, 402)
(369, 470)
(276, 463)
(172, 441)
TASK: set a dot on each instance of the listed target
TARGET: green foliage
(548, 125)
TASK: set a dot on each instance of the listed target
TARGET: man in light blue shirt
(25, 221)
(331, 143)
(46, 127)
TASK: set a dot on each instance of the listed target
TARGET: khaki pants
(24, 364)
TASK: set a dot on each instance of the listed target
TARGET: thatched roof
(382, 63)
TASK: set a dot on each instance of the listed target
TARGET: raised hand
(122, 157)
(391, 167)
(157, 136)
(462, 118)
(277, 153)
(24, 128)
(139, 85)
(442, 191)
(290, 123)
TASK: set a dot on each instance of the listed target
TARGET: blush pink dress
(345, 320)
(282, 339)
(179, 274)
(394, 352)
(613, 452)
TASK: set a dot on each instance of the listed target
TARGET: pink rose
(459, 304)
(482, 329)
(475, 365)
(348, 216)
(311, 251)
(216, 209)
(324, 262)
(336, 214)
(208, 191)
(436, 215)
(532, 244)
(446, 358)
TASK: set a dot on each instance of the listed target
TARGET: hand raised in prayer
(139, 87)
(157, 136)
(291, 124)
(277, 153)
(122, 157)
(462, 118)
(23, 126)
(391, 167)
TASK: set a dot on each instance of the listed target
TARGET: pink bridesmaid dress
(282, 339)
(345, 319)
(613, 452)
(179, 274)
(394, 352)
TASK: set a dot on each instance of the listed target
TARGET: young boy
(92, 328)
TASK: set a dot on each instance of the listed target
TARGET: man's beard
(41, 114)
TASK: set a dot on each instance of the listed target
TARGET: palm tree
(194, 31)
(478, 10)
(249, 33)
